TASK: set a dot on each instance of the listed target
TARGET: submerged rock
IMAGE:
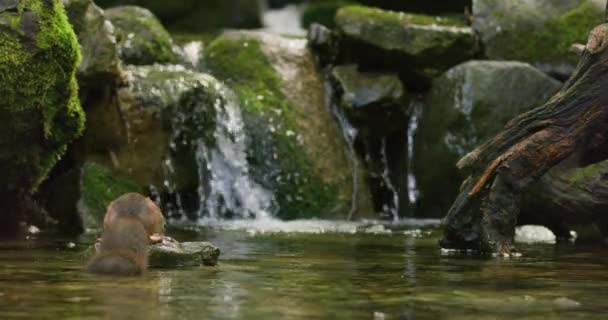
(540, 32)
(98, 48)
(172, 254)
(414, 44)
(142, 39)
(467, 105)
(40, 113)
(295, 149)
(78, 198)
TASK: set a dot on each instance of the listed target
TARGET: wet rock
(78, 198)
(196, 15)
(418, 46)
(142, 39)
(296, 149)
(172, 254)
(536, 31)
(98, 48)
(467, 105)
(365, 89)
(40, 113)
(167, 110)
(324, 43)
(376, 104)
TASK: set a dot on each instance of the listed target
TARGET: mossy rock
(408, 43)
(540, 32)
(165, 109)
(466, 106)
(78, 198)
(39, 110)
(296, 149)
(142, 39)
(98, 48)
(172, 254)
(197, 15)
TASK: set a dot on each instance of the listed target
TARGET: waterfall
(349, 132)
(286, 20)
(218, 151)
(386, 179)
(412, 128)
(230, 190)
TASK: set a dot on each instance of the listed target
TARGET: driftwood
(485, 213)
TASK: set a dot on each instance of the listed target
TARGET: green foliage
(40, 111)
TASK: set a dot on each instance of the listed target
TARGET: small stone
(566, 303)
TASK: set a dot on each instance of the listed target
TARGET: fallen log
(574, 121)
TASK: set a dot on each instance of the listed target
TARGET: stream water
(330, 271)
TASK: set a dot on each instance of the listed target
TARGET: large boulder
(466, 106)
(39, 110)
(540, 32)
(415, 45)
(197, 15)
(142, 39)
(296, 149)
(183, 142)
(98, 48)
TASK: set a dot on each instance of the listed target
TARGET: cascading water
(230, 190)
(225, 187)
(390, 208)
(349, 133)
(415, 114)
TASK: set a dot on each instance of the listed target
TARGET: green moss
(39, 111)
(300, 189)
(394, 18)
(99, 186)
(551, 42)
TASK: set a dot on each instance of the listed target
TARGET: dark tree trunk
(485, 214)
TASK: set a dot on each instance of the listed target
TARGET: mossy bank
(40, 111)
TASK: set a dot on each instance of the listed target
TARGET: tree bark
(484, 215)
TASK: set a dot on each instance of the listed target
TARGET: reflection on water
(399, 275)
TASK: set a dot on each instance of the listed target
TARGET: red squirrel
(131, 223)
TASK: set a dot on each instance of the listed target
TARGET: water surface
(323, 275)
